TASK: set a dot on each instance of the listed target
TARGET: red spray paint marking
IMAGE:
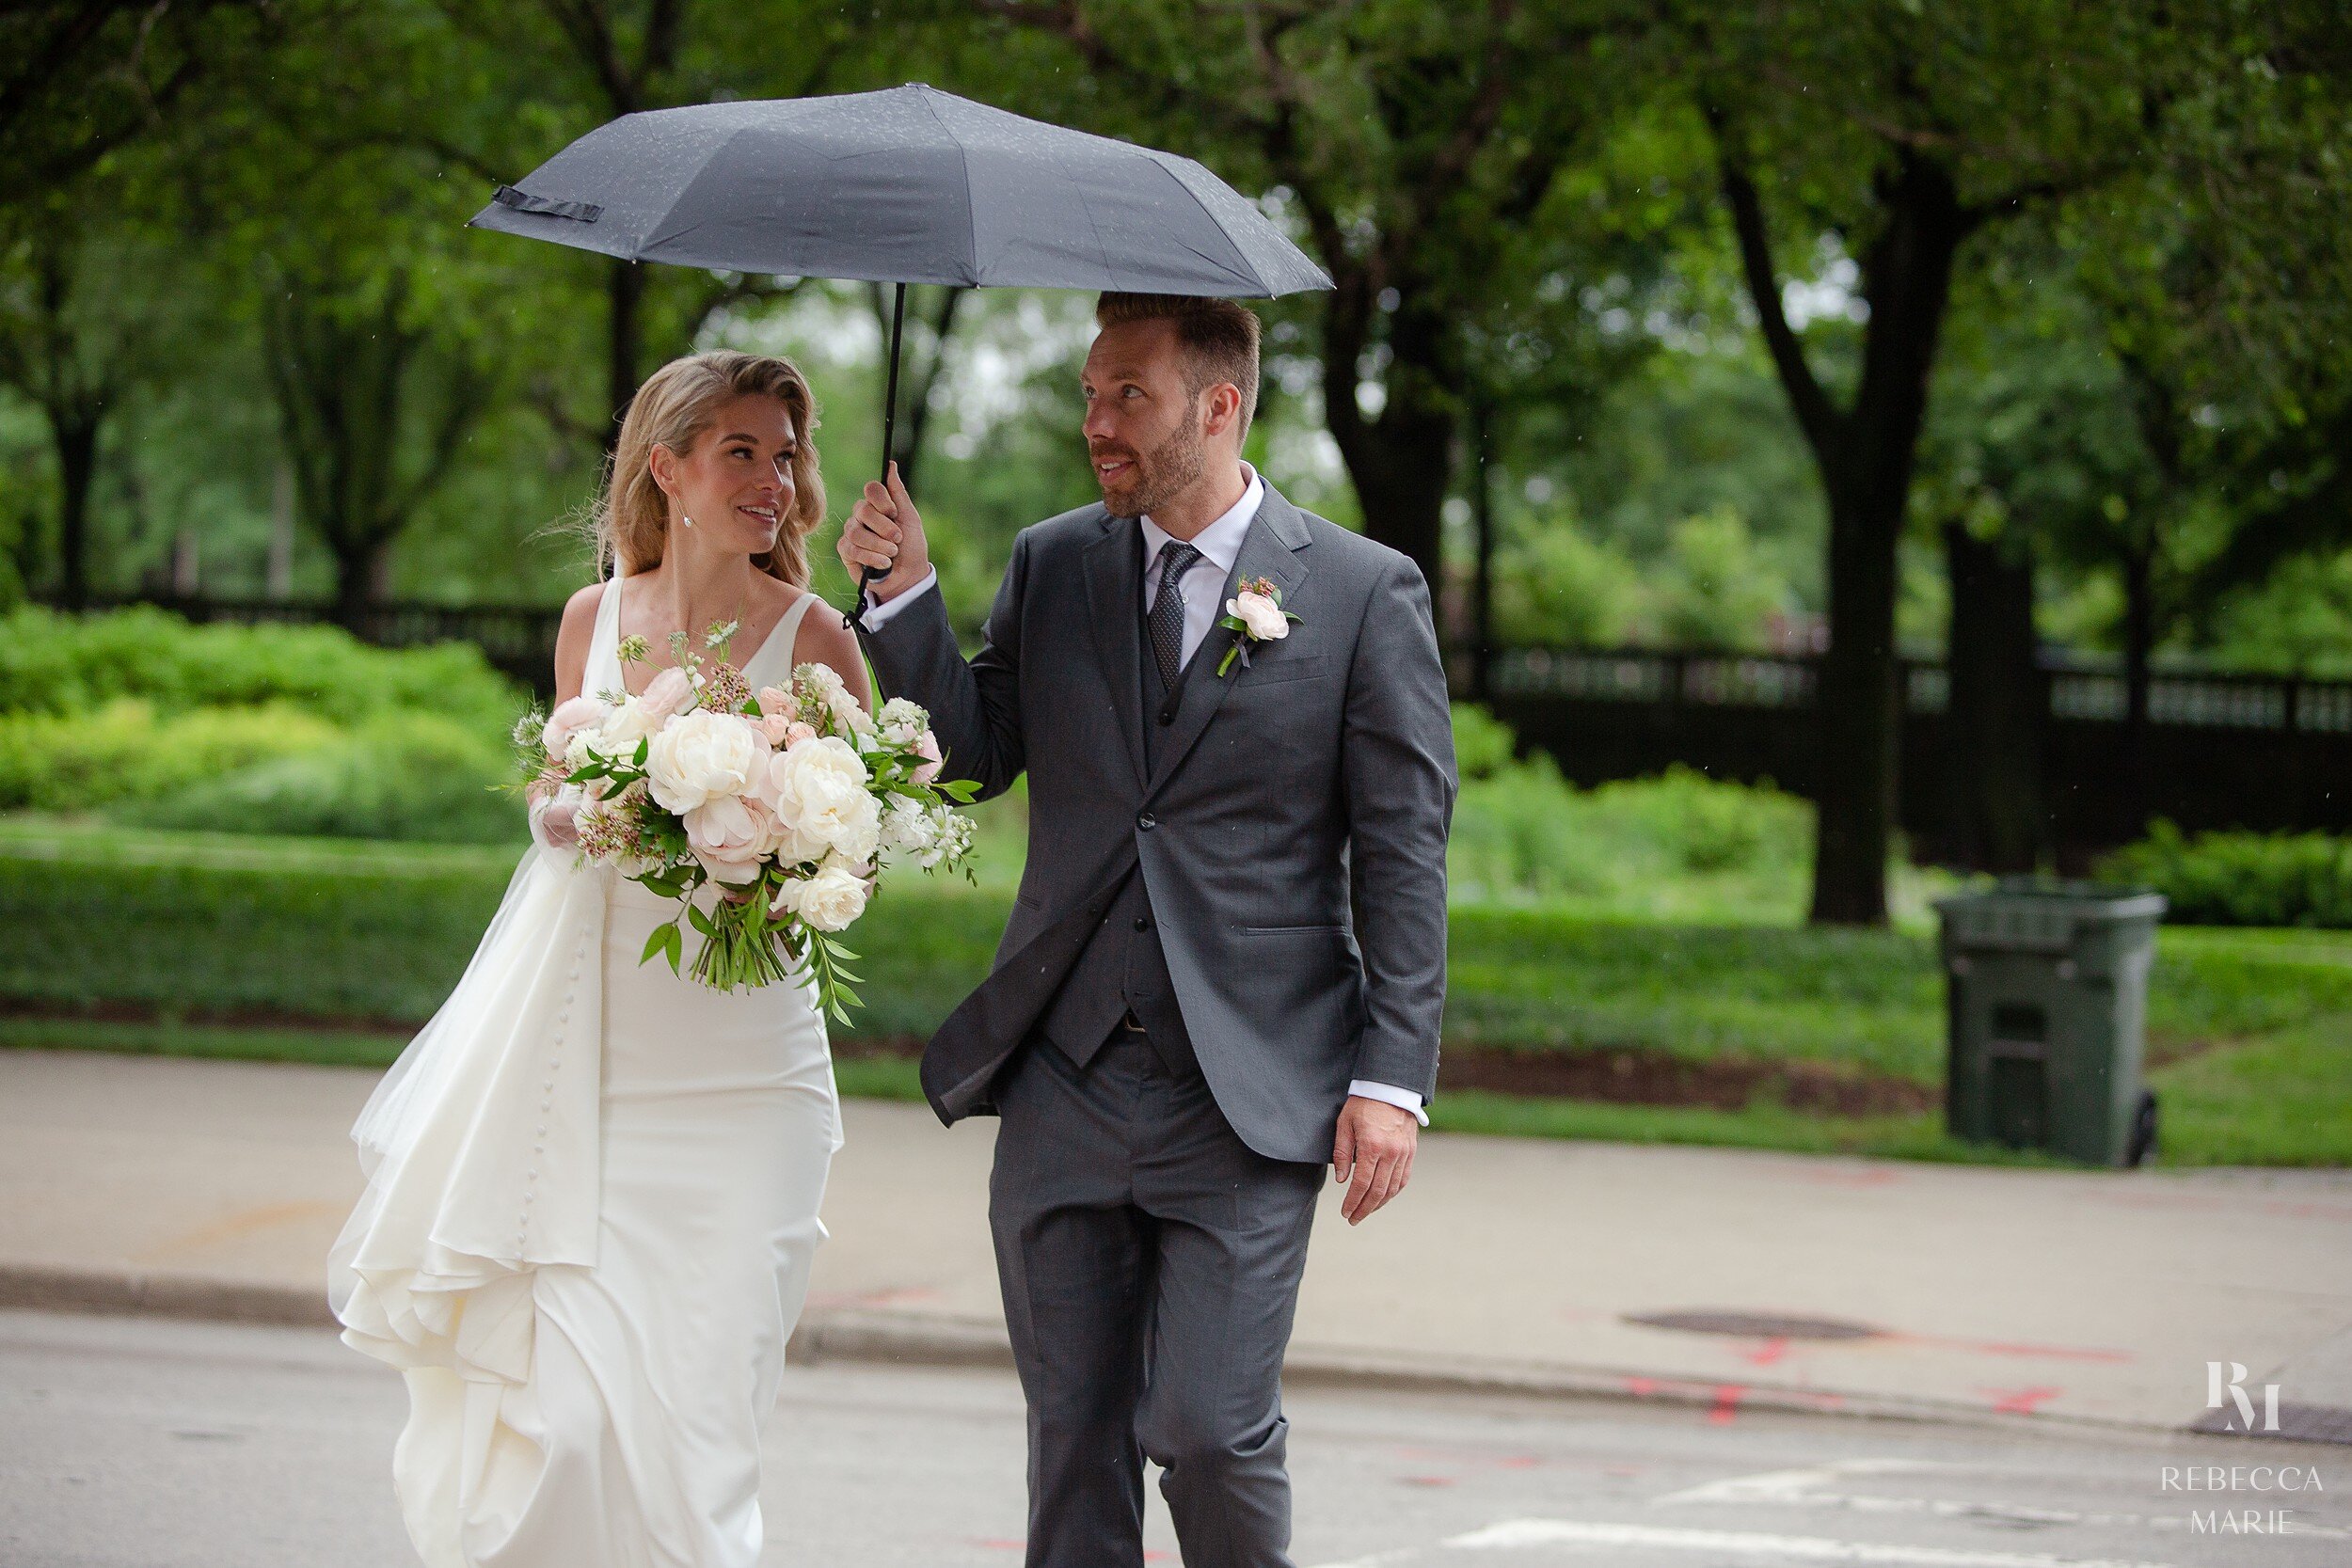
(1642, 1385)
(1726, 1404)
(1768, 1352)
(1472, 1457)
(2020, 1401)
(1425, 1480)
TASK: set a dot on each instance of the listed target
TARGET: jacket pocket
(1273, 671)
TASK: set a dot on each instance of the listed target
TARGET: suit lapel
(1268, 550)
(1114, 570)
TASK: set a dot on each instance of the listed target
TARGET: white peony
(699, 756)
(830, 900)
(1261, 615)
(818, 789)
(900, 720)
(731, 835)
(624, 726)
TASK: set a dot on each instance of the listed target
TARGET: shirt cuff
(1389, 1094)
(878, 616)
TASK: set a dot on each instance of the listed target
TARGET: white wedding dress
(590, 1214)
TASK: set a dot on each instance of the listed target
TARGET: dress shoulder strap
(777, 653)
(603, 671)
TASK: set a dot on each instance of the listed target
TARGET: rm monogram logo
(2234, 1386)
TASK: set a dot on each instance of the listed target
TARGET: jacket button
(1143, 923)
(1146, 821)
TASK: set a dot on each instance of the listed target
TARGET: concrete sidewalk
(214, 1189)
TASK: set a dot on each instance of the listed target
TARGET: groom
(1226, 961)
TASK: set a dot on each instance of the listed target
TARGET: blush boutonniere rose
(1255, 612)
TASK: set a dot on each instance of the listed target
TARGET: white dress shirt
(1220, 545)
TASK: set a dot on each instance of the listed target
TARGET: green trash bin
(2046, 1000)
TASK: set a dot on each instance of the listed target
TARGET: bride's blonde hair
(674, 408)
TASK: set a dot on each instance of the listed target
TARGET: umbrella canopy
(906, 185)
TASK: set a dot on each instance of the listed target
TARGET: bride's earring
(687, 520)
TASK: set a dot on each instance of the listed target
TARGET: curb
(906, 1339)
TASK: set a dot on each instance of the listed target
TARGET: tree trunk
(1997, 721)
(624, 298)
(1481, 636)
(1865, 454)
(75, 435)
(2139, 638)
(359, 579)
(1401, 461)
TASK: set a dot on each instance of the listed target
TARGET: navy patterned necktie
(1167, 610)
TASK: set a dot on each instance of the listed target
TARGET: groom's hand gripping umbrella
(908, 185)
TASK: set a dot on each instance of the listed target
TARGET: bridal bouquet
(787, 798)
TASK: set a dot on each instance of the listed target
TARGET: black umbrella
(908, 185)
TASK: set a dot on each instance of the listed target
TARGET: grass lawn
(321, 951)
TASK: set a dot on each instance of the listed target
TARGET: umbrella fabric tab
(523, 201)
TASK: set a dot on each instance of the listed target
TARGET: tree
(1413, 144)
(73, 369)
(81, 78)
(374, 406)
(1897, 132)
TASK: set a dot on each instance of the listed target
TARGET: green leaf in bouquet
(657, 941)
(702, 920)
(957, 789)
(644, 749)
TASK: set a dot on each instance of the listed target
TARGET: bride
(593, 1185)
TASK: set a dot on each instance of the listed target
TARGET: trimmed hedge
(2238, 878)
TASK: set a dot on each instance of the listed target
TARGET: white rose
(699, 756)
(900, 720)
(830, 900)
(1261, 615)
(818, 788)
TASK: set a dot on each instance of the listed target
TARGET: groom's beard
(1157, 475)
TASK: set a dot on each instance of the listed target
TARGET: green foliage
(127, 751)
(404, 776)
(2238, 878)
(1709, 583)
(1521, 832)
(254, 729)
(66, 664)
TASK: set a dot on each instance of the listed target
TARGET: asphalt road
(143, 1442)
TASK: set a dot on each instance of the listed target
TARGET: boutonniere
(1256, 612)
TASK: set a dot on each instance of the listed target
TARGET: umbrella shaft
(890, 407)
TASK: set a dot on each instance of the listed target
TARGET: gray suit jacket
(1329, 756)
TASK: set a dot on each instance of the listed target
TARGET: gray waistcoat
(1123, 967)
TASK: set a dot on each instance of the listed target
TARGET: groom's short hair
(1219, 338)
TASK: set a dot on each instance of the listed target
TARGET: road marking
(1809, 1548)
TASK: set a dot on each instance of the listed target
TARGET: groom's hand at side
(1373, 1153)
(885, 532)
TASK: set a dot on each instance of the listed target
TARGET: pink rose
(775, 700)
(796, 733)
(567, 720)
(926, 746)
(668, 695)
(775, 725)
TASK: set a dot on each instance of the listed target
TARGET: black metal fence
(2218, 750)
